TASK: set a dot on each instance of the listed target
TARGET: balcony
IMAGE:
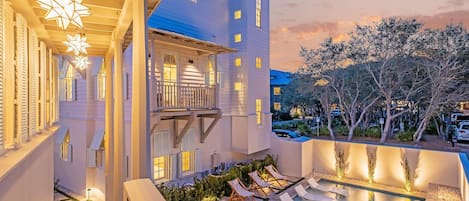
(182, 96)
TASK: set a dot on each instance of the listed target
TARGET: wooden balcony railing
(175, 95)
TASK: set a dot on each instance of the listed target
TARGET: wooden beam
(178, 138)
(204, 133)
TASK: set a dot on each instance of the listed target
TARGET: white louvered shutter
(173, 166)
(41, 92)
(22, 74)
(1, 78)
(198, 160)
(74, 91)
(33, 81)
(70, 153)
(178, 168)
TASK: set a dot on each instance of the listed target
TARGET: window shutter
(198, 160)
(22, 58)
(70, 153)
(33, 82)
(173, 166)
(189, 140)
(91, 158)
(1, 78)
(74, 90)
(179, 165)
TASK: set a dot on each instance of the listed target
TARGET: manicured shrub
(405, 136)
(285, 116)
(213, 187)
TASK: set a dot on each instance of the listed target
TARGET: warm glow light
(77, 44)
(81, 62)
(65, 12)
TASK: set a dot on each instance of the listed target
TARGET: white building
(208, 66)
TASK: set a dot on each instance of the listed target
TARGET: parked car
(286, 133)
(462, 131)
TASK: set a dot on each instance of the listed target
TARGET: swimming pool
(358, 193)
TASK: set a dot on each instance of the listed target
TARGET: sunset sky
(296, 23)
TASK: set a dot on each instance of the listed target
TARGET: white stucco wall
(32, 173)
(300, 159)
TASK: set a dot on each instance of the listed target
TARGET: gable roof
(279, 78)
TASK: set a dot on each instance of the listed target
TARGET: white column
(140, 140)
(108, 129)
(118, 121)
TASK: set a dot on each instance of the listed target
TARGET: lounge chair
(301, 191)
(259, 183)
(285, 197)
(239, 191)
(314, 184)
(273, 172)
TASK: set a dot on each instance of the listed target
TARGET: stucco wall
(300, 159)
(33, 177)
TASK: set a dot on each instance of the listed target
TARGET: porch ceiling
(105, 17)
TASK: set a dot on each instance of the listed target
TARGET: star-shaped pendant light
(65, 12)
(77, 44)
(81, 62)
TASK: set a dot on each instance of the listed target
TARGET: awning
(60, 135)
(172, 38)
(142, 190)
(97, 140)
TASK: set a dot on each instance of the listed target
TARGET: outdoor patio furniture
(285, 197)
(301, 191)
(273, 172)
(239, 191)
(314, 184)
(259, 183)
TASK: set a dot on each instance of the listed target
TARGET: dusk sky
(296, 23)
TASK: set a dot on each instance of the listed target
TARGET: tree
(385, 49)
(442, 51)
(322, 66)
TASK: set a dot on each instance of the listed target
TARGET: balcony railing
(175, 95)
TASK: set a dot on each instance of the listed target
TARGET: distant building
(278, 81)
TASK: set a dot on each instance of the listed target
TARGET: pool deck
(435, 192)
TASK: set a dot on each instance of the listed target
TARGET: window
(238, 86)
(238, 62)
(237, 14)
(160, 167)
(237, 38)
(66, 149)
(258, 62)
(101, 85)
(277, 106)
(258, 13)
(276, 91)
(187, 161)
(259, 111)
(169, 68)
(67, 85)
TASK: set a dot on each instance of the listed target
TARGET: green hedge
(213, 187)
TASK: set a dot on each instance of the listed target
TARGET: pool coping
(374, 186)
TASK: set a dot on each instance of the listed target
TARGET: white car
(462, 131)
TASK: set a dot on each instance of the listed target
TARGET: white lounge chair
(273, 172)
(239, 191)
(314, 184)
(285, 197)
(259, 183)
(301, 191)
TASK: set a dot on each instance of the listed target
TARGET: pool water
(357, 193)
